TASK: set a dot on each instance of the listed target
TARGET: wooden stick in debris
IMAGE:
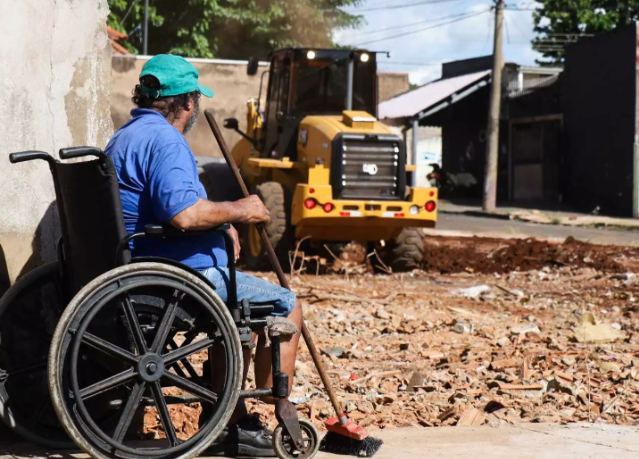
(507, 290)
(506, 386)
(382, 374)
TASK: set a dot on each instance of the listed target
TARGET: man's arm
(173, 189)
(207, 214)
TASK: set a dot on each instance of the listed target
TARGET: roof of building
(114, 38)
(432, 97)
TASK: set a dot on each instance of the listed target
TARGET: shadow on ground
(23, 450)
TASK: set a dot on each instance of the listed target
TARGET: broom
(344, 436)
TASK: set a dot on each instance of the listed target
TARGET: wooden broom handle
(308, 338)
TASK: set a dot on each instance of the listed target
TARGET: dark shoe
(248, 438)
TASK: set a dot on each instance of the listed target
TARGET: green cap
(175, 74)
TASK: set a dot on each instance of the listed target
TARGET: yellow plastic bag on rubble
(589, 331)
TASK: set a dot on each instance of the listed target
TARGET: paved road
(523, 441)
(484, 226)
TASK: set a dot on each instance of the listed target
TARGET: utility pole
(492, 146)
(145, 44)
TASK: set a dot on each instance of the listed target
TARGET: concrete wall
(55, 63)
(466, 66)
(429, 151)
(600, 121)
(232, 88)
(392, 84)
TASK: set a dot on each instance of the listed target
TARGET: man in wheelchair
(159, 183)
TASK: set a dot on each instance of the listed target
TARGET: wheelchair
(99, 344)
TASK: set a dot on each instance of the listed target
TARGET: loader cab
(305, 82)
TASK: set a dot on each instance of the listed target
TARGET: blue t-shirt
(158, 180)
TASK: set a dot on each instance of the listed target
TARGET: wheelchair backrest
(88, 200)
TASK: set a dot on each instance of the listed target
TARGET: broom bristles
(339, 444)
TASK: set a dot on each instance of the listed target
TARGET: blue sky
(421, 54)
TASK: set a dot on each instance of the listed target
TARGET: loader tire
(406, 251)
(279, 231)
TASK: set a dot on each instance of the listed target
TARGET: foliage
(233, 29)
(561, 22)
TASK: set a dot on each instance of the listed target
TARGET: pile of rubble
(556, 344)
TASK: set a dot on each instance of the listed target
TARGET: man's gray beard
(193, 119)
(191, 122)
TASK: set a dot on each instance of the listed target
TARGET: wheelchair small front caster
(286, 449)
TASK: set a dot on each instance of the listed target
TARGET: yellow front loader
(325, 167)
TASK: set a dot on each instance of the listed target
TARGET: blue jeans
(252, 288)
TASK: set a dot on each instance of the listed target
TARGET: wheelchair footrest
(277, 325)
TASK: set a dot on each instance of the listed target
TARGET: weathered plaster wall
(392, 84)
(55, 62)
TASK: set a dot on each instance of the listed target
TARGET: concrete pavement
(527, 441)
(524, 441)
(548, 217)
(460, 225)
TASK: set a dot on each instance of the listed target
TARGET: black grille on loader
(368, 167)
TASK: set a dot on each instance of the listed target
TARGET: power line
(374, 4)
(530, 43)
(515, 8)
(421, 64)
(405, 5)
(541, 42)
(396, 27)
(517, 26)
(129, 10)
(576, 34)
(468, 16)
(487, 35)
(537, 40)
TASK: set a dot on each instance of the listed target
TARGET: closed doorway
(535, 161)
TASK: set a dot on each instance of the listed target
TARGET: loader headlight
(310, 54)
(414, 210)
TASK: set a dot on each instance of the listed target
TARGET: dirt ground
(490, 331)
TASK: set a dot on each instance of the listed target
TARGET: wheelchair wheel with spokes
(151, 326)
(29, 312)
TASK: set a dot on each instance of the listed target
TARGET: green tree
(561, 22)
(234, 29)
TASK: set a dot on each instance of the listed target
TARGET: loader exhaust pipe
(349, 84)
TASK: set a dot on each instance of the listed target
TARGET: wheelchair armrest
(152, 229)
(167, 230)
